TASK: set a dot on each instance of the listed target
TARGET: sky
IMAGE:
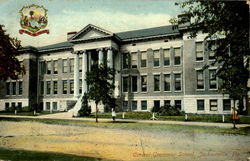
(73, 15)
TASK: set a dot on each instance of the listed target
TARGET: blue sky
(73, 15)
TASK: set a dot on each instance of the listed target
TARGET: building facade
(157, 66)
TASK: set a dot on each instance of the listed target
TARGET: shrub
(85, 109)
(167, 110)
(27, 109)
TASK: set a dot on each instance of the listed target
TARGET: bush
(27, 109)
(167, 110)
(85, 109)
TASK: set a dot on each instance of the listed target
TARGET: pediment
(89, 32)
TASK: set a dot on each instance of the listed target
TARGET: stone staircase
(77, 107)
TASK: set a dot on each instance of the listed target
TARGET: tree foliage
(10, 67)
(101, 85)
(226, 24)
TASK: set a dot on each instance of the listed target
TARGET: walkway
(68, 116)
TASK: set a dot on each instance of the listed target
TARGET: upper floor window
(211, 52)
(14, 88)
(49, 67)
(177, 56)
(156, 82)
(167, 80)
(134, 83)
(212, 79)
(177, 82)
(199, 51)
(7, 88)
(41, 88)
(71, 86)
(144, 56)
(71, 66)
(20, 87)
(144, 83)
(64, 86)
(200, 79)
(166, 54)
(125, 60)
(55, 88)
(48, 87)
(156, 58)
(134, 60)
(125, 84)
(55, 67)
(65, 65)
(42, 67)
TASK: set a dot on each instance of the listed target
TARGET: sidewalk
(68, 116)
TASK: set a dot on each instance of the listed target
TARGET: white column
(76, 75)
(100, 57)
(110, 58)
(84, 70)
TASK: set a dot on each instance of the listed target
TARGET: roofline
(55, 49)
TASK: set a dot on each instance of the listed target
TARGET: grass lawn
(25, 155)
(139, 126)
(31, 113)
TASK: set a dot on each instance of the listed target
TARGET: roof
(61, 45)
(156, 31)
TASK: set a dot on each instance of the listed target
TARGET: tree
(101, 85)
(9, 48)
(226, 24)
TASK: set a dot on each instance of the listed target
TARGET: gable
(89, 32)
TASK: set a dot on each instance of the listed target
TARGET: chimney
(70, 34)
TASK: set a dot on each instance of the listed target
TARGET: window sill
(167, 91)
(198, 90)
(199, 61)
(178, 91)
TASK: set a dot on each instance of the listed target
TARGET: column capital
(110, 48)
(99, 49)
(79, 52)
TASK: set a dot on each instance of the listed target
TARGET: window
(200, 79)
(54, 105)
(134, 105)
(19, 105)
(49, 67)
(71, 66)
(7, 105)
(65, 65)
(125, 105)
(134, 83)
(213, 105)
(167, 80)
(166, 54)
(200, 105)
(55, 88)
(41, 88)
(134, 60)
(125, 60)
(7, 88)
(226, 105)
(143, 105)
(80, 64)
(199, 51)
(177, 56)
(177, 82)
(125, 84)
(211, 53)
(212, 79)
(42, 66)
(20, 87)
(80, 86)
(13, 104)
(55, 67)
(47, 105)
(144, 83)
(156, 58)
(14, 88)
(157, 103)
(143, 59)
(167, 103)
(48, 87)
(177, 104)
(64, 86)
(71, 86)
(156, 82)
